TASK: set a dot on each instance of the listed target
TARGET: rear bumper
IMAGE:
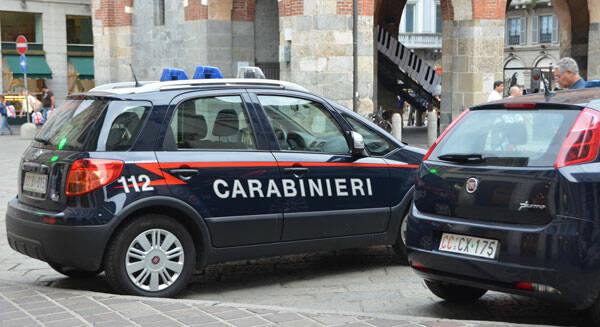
(75, 246)
(559, 256)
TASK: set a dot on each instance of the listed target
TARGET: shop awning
(84, 66)
(37, 67)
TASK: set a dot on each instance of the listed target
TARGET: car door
(212, 159)
(328, 191)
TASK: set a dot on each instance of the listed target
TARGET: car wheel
(72, 271)
(400, 245)
(453, 292)
(153, 255)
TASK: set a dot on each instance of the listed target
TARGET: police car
(507, 199)
(150, 182)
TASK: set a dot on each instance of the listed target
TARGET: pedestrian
(514, 91)
(30, 106)
(496, 94)
(4, 116)
(567, 76)
(47, 101)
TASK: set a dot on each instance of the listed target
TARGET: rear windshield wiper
(43, 140)
(459, 157)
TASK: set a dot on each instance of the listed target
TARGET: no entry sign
(21, 44)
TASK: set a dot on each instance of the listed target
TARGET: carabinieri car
(508, 199)
(151, 182)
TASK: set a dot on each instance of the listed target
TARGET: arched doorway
(266, 37)
(513, 74)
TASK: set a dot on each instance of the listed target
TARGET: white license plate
(35, 183)
(469, 245)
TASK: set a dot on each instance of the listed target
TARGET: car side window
(214, 123)
(303, 125)
(376, 144)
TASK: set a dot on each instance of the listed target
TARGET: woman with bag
(4, 116)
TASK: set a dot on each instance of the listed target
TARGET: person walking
(567, 76)
(4, 116)
(496, 94)
(47, 101)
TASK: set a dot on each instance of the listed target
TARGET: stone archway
(266, 37)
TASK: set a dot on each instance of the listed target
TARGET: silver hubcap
(403, 230)
(154, 260)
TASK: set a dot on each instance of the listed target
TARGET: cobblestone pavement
(363, 287)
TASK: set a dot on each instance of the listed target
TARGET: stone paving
(362, 287)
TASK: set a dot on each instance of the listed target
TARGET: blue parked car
(148, 183)
(508, 199)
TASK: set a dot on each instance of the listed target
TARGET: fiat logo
(472, 184)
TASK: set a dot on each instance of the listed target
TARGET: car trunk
(496, 165)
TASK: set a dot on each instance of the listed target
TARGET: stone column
(113, 31)
(55, 46)
(473, 51)
(594, 41)
(321, 49)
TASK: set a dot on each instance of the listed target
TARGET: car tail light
(581, 144)
(87, 175)
(439, 139)
(524, 286)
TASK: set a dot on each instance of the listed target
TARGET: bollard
(432, 120)
(397, 126)
(28, 131)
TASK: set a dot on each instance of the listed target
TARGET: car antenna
(137, 83)
(536, 74)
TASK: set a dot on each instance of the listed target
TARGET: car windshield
(89, 124)
(522, 138)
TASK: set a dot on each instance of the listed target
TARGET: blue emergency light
(171, 74)
(594, 83)
(207, 72)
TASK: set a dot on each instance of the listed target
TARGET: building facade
(421, 29)
(531, 40)
(60, 45)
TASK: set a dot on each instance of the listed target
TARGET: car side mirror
(358, 144)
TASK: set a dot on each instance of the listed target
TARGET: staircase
(402, 71)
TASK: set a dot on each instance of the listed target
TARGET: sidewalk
(26, 305)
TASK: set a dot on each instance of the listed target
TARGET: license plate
(35, 183)
(469, 245)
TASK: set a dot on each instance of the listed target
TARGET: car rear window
(94, 125)
(521, 138)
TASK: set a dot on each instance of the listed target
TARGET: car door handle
(298, 171)
(185, 173)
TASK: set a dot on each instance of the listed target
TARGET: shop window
(79, 30)
(13, 24)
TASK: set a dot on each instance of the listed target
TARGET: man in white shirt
(496, 94)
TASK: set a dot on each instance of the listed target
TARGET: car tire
(72, 271)
(454, 293)
(400, 245)
(152, 255)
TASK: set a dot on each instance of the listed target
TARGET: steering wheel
(296, 142)
(281, 136)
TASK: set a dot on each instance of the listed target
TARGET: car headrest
(516, 133)
(227, 123)
(194, 127)
(127, 120)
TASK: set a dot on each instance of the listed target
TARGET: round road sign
(21, 44)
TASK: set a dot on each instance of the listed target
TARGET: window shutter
(554, 29)
(506, 31)
(523, 30)
(535, 31)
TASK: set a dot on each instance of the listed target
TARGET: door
(328, 192)
(212, 159)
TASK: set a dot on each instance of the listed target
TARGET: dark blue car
(508, 199)
(149, 183)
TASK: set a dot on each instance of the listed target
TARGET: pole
(26, 98)
(355, 55)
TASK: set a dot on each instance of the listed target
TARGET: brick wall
(489, 9)
(243, 10)
(291, 8)
(447, 10)
(365, 7)
(112, 13)
(195, 10)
